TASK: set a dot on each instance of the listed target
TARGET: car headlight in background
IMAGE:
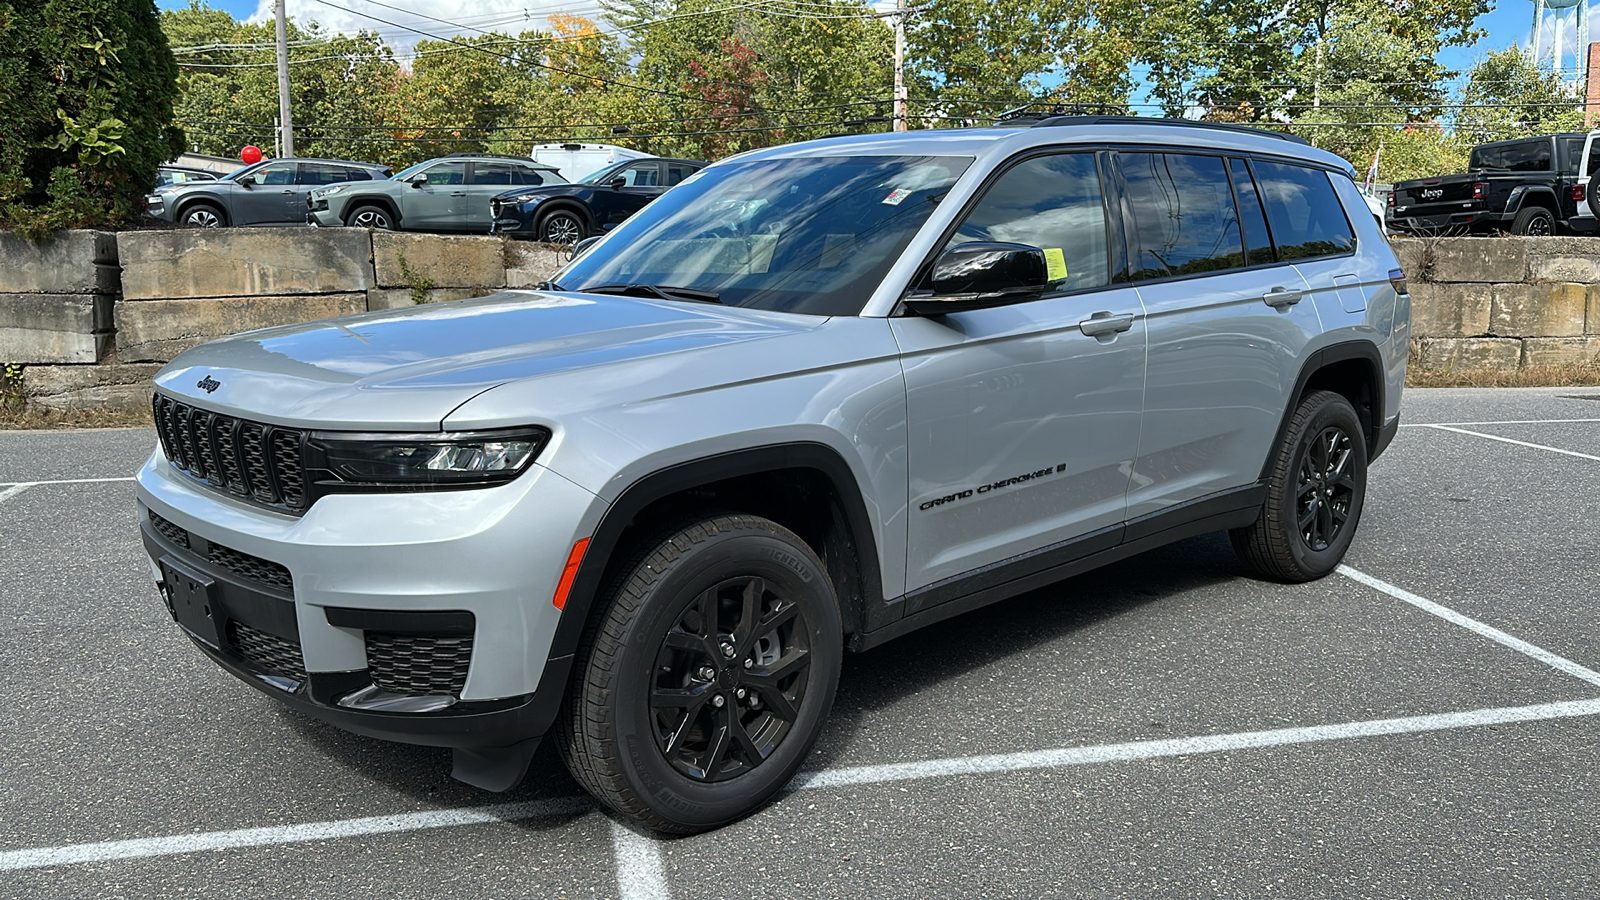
(329, 191)
(521, 198)
(343, 462)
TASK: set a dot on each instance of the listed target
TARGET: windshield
(811, 236)
(405, 173)
(604, 175)
(236, 174)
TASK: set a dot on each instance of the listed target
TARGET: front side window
(640, 175)
(811, 235)
(277, 173)
(454, 172)
(1053, 203)
(1305, 214)
(1184, 217)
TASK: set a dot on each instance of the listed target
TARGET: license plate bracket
(194, 601)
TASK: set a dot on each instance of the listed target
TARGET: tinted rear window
(1521, 156)
(1304, 212)
(1183, 214)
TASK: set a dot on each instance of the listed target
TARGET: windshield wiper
(658, 291)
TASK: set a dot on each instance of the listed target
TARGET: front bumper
(366, 603)
(512, 218)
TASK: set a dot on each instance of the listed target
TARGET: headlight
(524, 198)
(343, 462)
(329, 191)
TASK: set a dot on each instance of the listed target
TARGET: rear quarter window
(1303, 211)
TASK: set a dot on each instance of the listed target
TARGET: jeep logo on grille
(1433, 193)
(208, 384)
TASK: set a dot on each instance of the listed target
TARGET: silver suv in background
(271, 192)
(810, 400)
(450, 193)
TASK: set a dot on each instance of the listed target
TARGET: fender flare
(1316, 361)
(1521, 193)
(382, 200)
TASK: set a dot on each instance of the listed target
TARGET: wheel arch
(1524, 197)
(1353, 369)
(354, 203)
(189, 203)
(830, 515)
(563, 204)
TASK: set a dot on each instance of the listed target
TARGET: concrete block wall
(94, 315)
(1503, 303)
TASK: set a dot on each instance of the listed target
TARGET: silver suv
(814, 398)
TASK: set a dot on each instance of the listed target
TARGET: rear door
(1022, 424)
(1228, 322)
(485, 179)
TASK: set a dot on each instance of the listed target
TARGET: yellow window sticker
(1055, 263)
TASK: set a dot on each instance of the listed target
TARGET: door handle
(1106, 322)
(458, 193)
(1278, 297)
(294, 192)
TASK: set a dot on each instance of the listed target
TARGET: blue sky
(1509, 22)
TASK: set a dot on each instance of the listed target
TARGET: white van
(574, 161)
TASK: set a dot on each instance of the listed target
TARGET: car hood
(407, 369)
(545, 190)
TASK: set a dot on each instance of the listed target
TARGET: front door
(440, 202)
(1022, 423)
(641, 183)
(267, 199)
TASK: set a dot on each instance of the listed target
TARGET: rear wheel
(562, 227)
(705, 678)
(1314, 494)
(370, 215)
(1534, 220)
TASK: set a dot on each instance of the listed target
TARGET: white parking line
(1499, 422)
(1078, 756)
(1488, 631)
(638, 857)
(1506, 440)
(63, 481)
(12, 491)
(639, 870)
(78, 854)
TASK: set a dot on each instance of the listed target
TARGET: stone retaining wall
(161, 292)
(1502, 303)
(93, 315)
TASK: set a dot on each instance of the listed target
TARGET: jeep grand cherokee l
(647, 508)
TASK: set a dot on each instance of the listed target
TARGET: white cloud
(349, 16)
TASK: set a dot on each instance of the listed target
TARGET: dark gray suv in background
(811, 399)
(271, 192)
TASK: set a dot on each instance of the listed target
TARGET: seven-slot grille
(419, 665)
(247, 459)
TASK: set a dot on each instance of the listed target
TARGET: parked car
(578, 161)
(271, 192)
(566, 214)
(812, 399)
(449, 193)
(1526, 186)
(166, 175)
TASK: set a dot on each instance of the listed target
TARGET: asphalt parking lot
(1423, 724)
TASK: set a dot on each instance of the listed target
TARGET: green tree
(86, 94)
(1507, 96)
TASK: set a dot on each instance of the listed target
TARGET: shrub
(86, 95)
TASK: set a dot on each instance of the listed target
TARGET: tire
(203, 215)
(642, 729)
(370, 215)
(1309, 518)
(1589, 195)
(1534, 220)
(562, 227)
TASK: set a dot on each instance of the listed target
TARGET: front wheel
(1314, 494)
(370, 216)
(704, 680)
(561, 227)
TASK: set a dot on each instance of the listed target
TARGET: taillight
(1577, 193)
(1480, 190)
(1390, 201)
(1397, 280)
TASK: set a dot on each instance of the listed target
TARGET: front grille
(171, 532)
(252, 567)
(418, 665)
(247, 459)
(267, 651)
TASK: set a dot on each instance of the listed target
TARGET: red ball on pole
(251, 154)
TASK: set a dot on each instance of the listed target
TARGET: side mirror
(419, 180)
(618, 183)
(582, 247)
(247, 181)
(980, 275)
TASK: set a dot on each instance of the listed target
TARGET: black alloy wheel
(1316, 485)
(704, 675)
(1534, 221)
(729, 679)
(1326, 490)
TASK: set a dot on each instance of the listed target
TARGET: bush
(86, 95)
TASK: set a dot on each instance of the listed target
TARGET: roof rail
(1026, 117)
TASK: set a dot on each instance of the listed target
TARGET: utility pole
(287, 126)
(900, 65)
